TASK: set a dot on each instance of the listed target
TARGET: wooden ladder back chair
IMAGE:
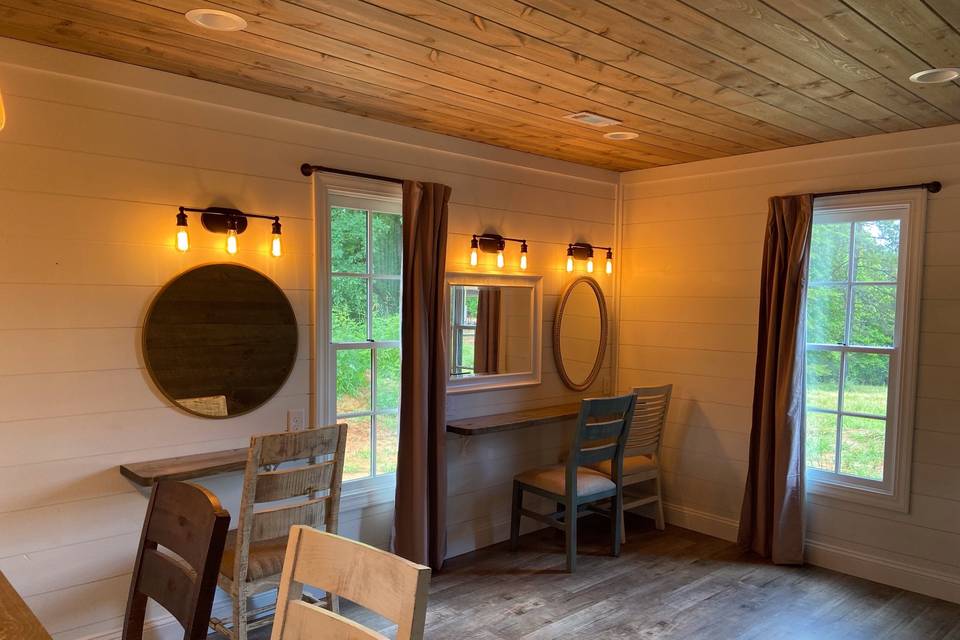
(179, 557)
(382, 582)
(278, 494)
(641, 461)
(600, 436)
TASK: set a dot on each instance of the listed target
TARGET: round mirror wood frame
(219, 340)
(601, 347)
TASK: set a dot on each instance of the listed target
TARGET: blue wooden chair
(601, 435)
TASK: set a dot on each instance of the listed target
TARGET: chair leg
(515, 515)
(616, 523)
(240, 615)
(660, 523)
(623, 524)
(571, 531)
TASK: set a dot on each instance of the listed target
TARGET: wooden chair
(641, 461)
(601, 435)
(386, 584)
(189, 524)
(277, 495)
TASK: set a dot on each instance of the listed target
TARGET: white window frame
(458, 326)
(332, 190)
(893, 492)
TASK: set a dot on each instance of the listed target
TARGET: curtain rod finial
(306, 169)
(934, 187)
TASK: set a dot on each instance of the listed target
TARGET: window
(360, 257)
(861, 323)
(463, 325)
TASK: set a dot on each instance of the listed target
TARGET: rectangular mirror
(493, 331)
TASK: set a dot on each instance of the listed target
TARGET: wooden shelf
(510, 421)
(197, 465)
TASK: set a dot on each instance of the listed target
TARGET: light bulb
(523, 256)
(183, 238)
(569, 264)
(473, 251)
(276, 246)
(500, 258)
(609, 262)
(590, 264)
(3, 114)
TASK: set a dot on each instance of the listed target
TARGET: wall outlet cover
(296, 419)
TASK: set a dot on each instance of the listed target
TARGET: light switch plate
(296, 419)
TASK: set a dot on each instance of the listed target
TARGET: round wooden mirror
(580, 333)
(220, 340)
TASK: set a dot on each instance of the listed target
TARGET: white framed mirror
(494, 326)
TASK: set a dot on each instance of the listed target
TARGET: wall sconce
(584, 251)
(231, 222)
(493, 243)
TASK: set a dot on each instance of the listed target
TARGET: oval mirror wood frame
(228, 316)
(601, 349)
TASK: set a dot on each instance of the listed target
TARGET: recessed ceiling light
(216, 20)
(934, 76)
(621, 135)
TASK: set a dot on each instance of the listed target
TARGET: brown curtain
(772, 517)
(486, 348)
(420, 509)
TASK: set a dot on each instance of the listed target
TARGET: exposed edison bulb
(3, 114)
(183, 238)
(609, 262)
(500, 258)
(569, 263)
(473, 251)
(232, 241)
(590, 264)
(276, 246)
(523, 256)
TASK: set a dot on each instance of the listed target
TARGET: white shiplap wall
(94, 160)
(692, 238)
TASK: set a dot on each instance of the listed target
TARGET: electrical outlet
(296, 420)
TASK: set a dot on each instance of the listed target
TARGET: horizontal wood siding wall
(95, 159)
(692, 238)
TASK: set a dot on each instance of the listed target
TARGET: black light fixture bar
(217, 219)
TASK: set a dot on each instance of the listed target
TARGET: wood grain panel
(695, 79)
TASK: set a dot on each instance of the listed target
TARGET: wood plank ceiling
(694, 79)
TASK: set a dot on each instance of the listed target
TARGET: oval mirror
(580, 333)
(220, 340)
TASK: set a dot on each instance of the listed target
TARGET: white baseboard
(884, 570)
(701, 521)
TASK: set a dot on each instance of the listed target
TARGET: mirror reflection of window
(491, 330)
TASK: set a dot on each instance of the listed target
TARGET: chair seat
(554, 480)
(265, 558)
(632, 465)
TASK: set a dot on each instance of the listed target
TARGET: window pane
(877, 249)
(388, 439)
(348, 240)
(471, 300)
(861, 447)
(356, 462)
(466, 351)
(387, 243)
(865, 387)
(821, 444)
(874, 314)
(830, 252)
(823, 379)
(386, 309)
(826, 312)
(348, 312)
(353, 380)
(388, 379)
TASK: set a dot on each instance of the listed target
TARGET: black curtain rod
(308, 169)
(932, 187)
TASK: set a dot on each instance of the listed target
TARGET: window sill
(837, 489)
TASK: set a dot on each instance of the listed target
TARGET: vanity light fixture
(584, 251)
(495, 243)
(231, 222)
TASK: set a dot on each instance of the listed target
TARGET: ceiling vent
(592, 119)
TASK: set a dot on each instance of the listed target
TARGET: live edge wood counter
(17, 622)
(482, 425)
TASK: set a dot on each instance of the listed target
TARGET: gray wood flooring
(670, 584)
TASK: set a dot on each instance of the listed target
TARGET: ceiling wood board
(694, 79)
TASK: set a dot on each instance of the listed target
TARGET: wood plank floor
(671, 584)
